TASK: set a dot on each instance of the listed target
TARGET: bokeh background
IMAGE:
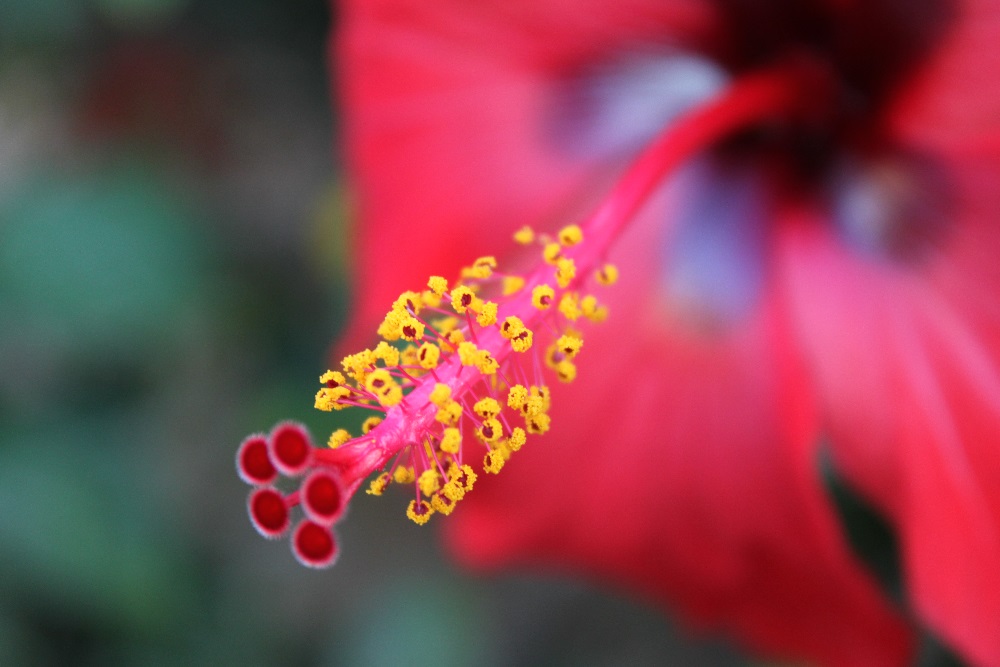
(174, 263)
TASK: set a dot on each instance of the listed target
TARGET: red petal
(955, 102)
(908, 363)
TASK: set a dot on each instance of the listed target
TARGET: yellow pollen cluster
(512, 285)
(463, 298)
(369, 424)
(338, 437)
(525, 235)
(607, 274)
(541, 296)
(459, 360)
(481, 268)
(570, 235)
(428, 356)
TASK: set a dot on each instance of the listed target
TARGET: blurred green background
(172, 271)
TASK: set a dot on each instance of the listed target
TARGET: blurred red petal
(908, 366)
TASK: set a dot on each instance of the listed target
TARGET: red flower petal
(908, 363)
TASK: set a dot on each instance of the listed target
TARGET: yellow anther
(517, 439)
(430, 299)
(443, 504)
(338, 437)
(481, 268)
(463, 475)
(332, 379)
(429, 481)
(451, 440)
(438, 285)
(541, 296)
(468, 353)
(565, 272)
(329, 398)
(408, 357)
(387, 353)
(517, 396)
(552, 252)
(514, 330)
(538, 423)
(607, 274)
(453, 490)
(455, 337)
(569, 345)
(389, 329)
(357, 365)
(379, 381)
(378, 485)
(486, 364)
(511, 326)
(488, 315)
(463, 298)
(490, 431)
(369, 424)
(419, 514)
(449, 413)
(533, 405)
(385, 388)
(446, 324)
(524, 235)
(440, 395)
(486, 408)
(536, 403)
(408, 302)
(403, 475)
(546, 396)
(493, 462)
(569, 306)
(522, 341)
(566, 370)
(428, 355)
(591, 310)
(411, 328)
(512, 285)
(570, 235)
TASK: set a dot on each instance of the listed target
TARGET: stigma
(457, 385)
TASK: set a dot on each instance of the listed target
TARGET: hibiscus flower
(825, 277)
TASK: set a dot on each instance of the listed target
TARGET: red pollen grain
(322, 498)
(313, 545)
(268, 512)
(254, 463)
